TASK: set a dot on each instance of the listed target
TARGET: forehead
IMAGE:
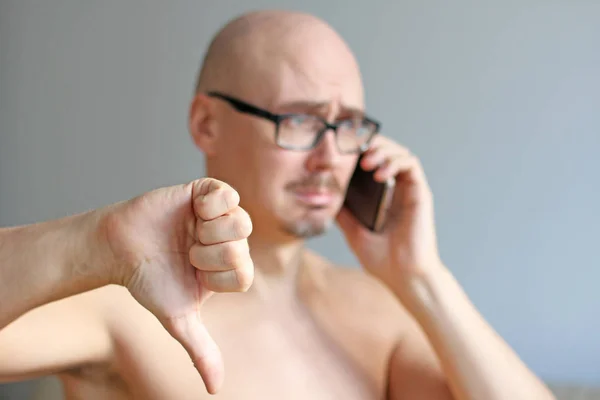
(321, 73)
(316, 88)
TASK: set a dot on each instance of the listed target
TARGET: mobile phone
(367, 199)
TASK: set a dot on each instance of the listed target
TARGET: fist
(220, 252)
(173, 248)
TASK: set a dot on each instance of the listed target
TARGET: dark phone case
(364, 196)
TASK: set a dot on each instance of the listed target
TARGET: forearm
(48, 261)
(477, 363)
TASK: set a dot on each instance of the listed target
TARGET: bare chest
(284, 354)
(293, 360)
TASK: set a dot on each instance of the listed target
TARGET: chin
(309, 227)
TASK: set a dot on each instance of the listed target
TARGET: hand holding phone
(368, 200)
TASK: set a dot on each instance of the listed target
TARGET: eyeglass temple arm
(246, 108)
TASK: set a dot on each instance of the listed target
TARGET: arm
(49, 261)
(43, 330)
(57, 338)
(458, 355)
(172, 248)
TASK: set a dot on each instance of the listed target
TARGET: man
(279, 115)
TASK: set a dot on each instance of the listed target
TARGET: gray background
(499, 99)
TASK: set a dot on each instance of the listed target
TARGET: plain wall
(499, 99)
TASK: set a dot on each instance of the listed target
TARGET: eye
(302, 122)
(297, 120)
(365, 128)
(357, 125)
(347, 124)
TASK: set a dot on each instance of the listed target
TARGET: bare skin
(172, 248)
(307, 344)
(400, 327)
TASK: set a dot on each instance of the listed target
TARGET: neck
(276, 264)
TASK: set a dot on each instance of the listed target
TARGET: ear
(201, 123)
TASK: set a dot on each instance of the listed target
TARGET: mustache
(317, 182)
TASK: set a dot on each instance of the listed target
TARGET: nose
(326, 154)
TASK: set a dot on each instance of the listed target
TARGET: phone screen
(367, 199)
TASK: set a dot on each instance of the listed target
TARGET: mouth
(315, 197)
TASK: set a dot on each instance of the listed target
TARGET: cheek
(346, 169)
(263, 174)
(277, 168)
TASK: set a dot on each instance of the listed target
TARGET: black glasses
(302, 132)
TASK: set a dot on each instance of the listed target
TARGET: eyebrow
(317, 105)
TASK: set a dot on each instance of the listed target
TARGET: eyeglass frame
(248, 108)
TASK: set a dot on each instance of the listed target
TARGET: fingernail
(381, 175)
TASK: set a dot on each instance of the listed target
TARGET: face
(289, 192)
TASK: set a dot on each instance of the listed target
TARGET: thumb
(190, 331)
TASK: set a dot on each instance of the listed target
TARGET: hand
(408, 244)
(175, 246)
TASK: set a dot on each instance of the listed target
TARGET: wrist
(420, 289)
(109, 234)
(118, 242)
(90, 260)
(48, 261)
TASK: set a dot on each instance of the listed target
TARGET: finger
(412, 187)
(235, 280)
(394, 166)
(221, 256)
(213, 198)
(205, 186)
(233, 226)
(377, 155)
(372, 159)
(200, 346)
(386, 144)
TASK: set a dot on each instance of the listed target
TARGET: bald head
(287, 63)
(249, 49)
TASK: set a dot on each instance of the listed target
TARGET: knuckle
(220, 201)
(214, 197)
(214, 203)
(222, 281)
(242, 224)
(201, 231)
(202, 205)
(230, 254)
(245, 277)
(209, 232)
(219, 184)
(228, 281)
(231, 198)
(213, 185)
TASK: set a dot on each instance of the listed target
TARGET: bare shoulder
(352, 284)
(359, 312)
